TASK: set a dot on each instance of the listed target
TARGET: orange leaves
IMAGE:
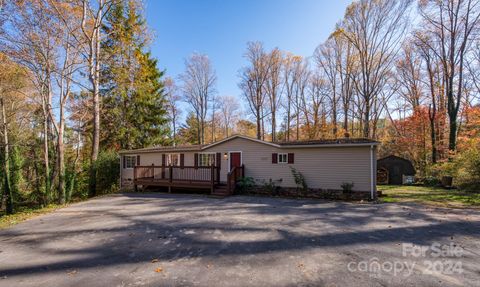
(469, 134)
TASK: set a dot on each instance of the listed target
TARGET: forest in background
(78, 83)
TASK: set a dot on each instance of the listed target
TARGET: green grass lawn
(24, 214)
(429, 195)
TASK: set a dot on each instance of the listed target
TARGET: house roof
(240, 136)
(340, 141)
(164, 149)
(286, 144)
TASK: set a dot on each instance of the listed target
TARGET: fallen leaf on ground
(73, 272)
(158, 270)
(154, 260)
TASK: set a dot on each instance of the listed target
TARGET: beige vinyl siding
(323, 167)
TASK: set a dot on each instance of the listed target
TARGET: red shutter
(291, 158)
(195, 159)
(182, 160)
(274, 158)
(219, 160)
(138, 159)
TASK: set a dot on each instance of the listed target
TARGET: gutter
(328, 145)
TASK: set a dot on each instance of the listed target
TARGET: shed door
(396, 175)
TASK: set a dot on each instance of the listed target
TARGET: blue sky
(221, 29)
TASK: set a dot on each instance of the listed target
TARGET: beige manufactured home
(325, 164)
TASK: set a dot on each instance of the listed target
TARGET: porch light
(225, 156)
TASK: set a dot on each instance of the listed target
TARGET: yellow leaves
(158, 269)
(297, 58)
(338, 33)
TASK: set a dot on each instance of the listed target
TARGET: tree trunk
(345, 120)
(95, 81)
(203, 131)
(263, 125)
(61, 160)
(46, 156)
(213, 122)
(297, 119)
(6, 165)
(199, 136)
(452, 136)
(259, 124)
(274, 127)
(366, 123)
(334, 118)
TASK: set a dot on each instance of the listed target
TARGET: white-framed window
(173, 159)
(130, 161)
(283, 158)
(206, 159)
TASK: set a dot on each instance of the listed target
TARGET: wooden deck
(194, 177)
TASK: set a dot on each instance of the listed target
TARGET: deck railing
(233, 176)
(177, 173)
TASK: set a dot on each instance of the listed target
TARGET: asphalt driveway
(186, 240)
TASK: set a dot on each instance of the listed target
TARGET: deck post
(170, 178)
(212, 177)
(135, 187)
(229, 185)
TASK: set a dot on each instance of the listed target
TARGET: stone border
(333, 194)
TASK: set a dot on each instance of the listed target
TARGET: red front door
(235, 159)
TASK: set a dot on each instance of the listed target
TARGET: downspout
(372, 179)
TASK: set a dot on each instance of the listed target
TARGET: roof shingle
(328, 141)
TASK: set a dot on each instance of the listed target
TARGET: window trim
(209, 153)
(134, 161)
(279, 156)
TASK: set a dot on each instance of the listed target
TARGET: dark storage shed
(393, 168)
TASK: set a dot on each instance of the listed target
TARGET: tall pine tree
(134, 106)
